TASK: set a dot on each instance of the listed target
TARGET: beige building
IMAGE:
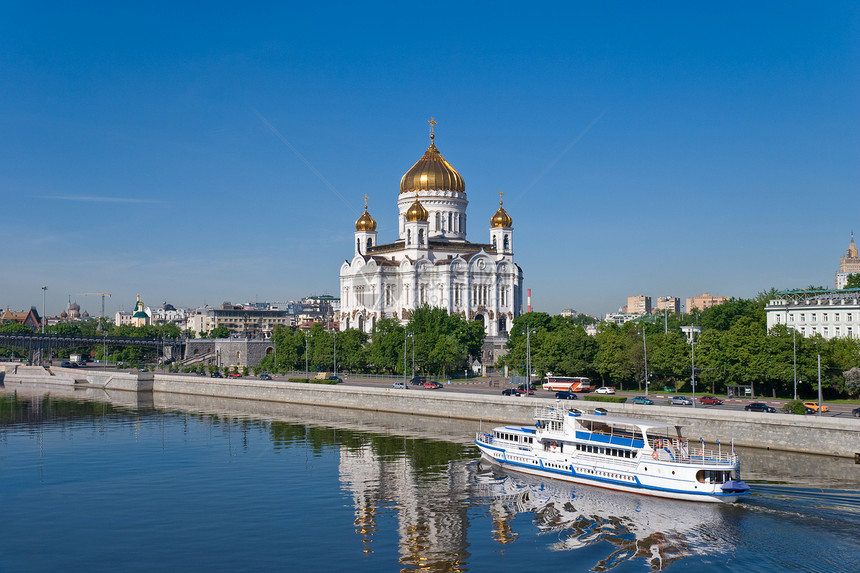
(704, 301)
(248, 322)
(669, 303)
(849, 264)
(639, 304)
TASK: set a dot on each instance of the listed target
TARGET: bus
(569, 383)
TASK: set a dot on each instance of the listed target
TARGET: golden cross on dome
(365, 201)
(500, 197)
(432, 123)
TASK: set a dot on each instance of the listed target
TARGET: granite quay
(783, 432)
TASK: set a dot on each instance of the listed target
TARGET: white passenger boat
(625, 454)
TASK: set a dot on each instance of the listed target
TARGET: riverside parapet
(785, 432)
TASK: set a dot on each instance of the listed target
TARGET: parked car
(856, 412)
(566, 395)
(432, 385)
(526, 389)
(418, 380)
(713, 400)
(265, 376)
(511, 392)
(814, 406)
(680, 401)
(335, 379)
(642, 400)
(759, 407)
(605, 390)
(216, 374)
(400, 385)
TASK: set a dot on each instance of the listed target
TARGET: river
(109, 483)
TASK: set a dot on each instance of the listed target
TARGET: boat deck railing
(681, 451)
(550, 413)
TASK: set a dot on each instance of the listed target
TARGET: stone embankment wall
(787, 432)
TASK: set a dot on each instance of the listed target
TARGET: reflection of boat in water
(624, 454)
(658, 530)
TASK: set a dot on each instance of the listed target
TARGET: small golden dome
(501, 218)
(365, 222)
(432, 172)
(416, 212)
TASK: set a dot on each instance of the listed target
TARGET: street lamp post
(645, 346)
(44, 289)
(405, 336)
(528, 361)
(691, 332)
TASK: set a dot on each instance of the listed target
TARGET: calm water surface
(90, 484)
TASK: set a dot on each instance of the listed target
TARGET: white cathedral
(431, 262)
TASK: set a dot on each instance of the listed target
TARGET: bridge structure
(37, 344)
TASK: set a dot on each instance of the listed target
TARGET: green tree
(612, 360)
(443, 342)
(351, 350)
(219, 332)
(668, 358)
(853, 281)
(385, 352)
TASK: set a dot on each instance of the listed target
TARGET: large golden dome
(501, 218)
(432, 173)
(416, 212)
(365, 222)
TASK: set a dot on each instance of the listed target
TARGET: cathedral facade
(431, 262)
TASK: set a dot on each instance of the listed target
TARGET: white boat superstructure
(625, 454)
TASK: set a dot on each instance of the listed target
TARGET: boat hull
(497, 456)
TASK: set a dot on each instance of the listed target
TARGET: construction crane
(101, 294)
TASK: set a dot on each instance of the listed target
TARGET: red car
(234, 375)
(430, 384)
(713, 400)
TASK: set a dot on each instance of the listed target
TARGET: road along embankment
(786, 432)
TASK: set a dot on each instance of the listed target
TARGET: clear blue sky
(202, 152)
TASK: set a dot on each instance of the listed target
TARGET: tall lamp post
(645, 346)
(44, 289)
(691, 332)
(405, 336)
(528, 361)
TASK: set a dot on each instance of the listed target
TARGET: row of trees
(734, 347)
(440, 343)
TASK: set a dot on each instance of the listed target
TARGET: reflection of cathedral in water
(430, 508)
(432, 522)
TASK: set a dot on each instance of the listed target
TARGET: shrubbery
(602, 398)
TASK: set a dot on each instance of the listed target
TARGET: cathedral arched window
(450, 226)
(494, 242)
(507, 242)
(503, 324)
(438, 221)
(369, 242)
(358, 245)
(420, 237)
(408, 236)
